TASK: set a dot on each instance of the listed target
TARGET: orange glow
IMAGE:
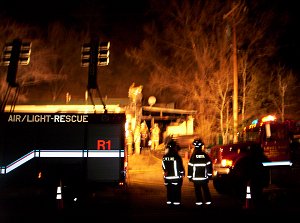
(252, 126)
(65, 108)
(268, 118)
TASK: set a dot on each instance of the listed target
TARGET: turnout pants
(202, 192)
(174, 193)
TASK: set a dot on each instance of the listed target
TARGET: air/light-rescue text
(28, 118)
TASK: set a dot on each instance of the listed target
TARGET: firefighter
(137, 139)
(174, 173)
(155, 131)
(200, 172)
(129, 140)
(144, 134)
(258, 175)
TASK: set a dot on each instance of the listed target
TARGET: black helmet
(198, 143)
(172, 144)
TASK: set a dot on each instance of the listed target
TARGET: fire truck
(77, 151)
(273, 144)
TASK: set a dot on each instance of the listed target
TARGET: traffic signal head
(85, 54)
(103, 54)
(94, 54)
(16, 52)
(6, 54)
(25, 52)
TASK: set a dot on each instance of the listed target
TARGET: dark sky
(114, 19)
(119, 16)
(42, 12)
(117, 21)
(290, 41)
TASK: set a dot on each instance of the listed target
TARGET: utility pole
(235, 74)
(235, 84)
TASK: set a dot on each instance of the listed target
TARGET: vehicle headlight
(226, 163)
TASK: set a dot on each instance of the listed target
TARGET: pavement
(147, 168)
(145, 182)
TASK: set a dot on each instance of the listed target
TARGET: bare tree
(190, 59)
(282, 84)
(187, 54)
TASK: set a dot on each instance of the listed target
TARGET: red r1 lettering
(103, 145)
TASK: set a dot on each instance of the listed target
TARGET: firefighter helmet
(198, 143)
(172, 144)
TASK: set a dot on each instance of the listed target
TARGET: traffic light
(6, 54)
(85, 54)
(25, 52)
(103, 54)
(94, 54)
(15, 53)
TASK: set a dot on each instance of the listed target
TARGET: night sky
(290, 45)
(114, 17)
(120, 22)
(42, 12)
(117, 17)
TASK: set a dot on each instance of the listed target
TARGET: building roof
(168, 110)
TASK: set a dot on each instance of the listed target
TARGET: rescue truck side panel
(72, 147)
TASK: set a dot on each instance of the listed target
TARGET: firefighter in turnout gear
(200, 172)
(174, 173)
(155, 131)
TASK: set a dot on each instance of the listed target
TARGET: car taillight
(226, 163)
